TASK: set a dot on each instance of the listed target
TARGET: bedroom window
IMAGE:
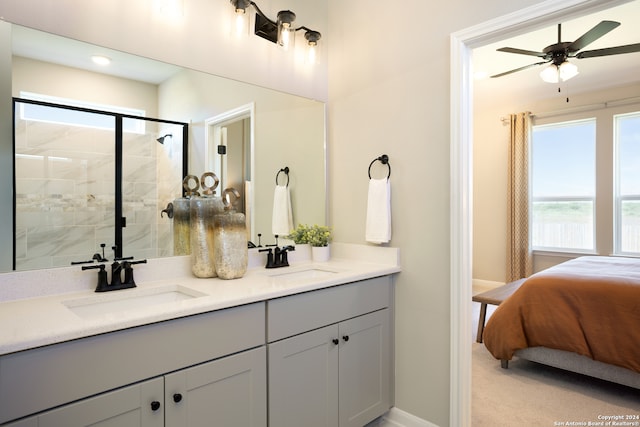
(563, 176)
(627, 200)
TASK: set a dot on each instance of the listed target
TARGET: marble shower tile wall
(169, 170)
(64, 193)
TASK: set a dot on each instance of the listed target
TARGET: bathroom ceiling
(72, 53)
(594, 73)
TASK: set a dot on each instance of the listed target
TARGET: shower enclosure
(87, 177)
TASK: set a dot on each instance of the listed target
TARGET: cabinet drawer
(41, 378)
(315, 309)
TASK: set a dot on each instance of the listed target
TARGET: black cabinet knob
(177, 397)
(155, 405)
(336, 341)
(345, 338)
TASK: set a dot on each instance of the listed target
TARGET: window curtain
(519, 257)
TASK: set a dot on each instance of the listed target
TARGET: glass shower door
(64, 174)
(152, 169)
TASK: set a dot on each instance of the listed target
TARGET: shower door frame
(120, 220)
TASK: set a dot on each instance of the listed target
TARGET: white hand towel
(282, 220)
(379, 211)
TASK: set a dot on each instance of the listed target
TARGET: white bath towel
(282, 220)
(379, 211)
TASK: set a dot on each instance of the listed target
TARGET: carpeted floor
(530, 394)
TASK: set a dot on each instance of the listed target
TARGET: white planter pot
(321, 253)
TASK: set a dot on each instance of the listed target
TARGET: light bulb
(241, 22)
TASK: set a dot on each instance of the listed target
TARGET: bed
(582, 315)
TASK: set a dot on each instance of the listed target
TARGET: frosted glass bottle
(181, 227)
(231, 251)
(203, 211)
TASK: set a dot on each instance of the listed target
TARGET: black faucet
(116, 275)
(269, 257)
(277, 257)
(283, 260)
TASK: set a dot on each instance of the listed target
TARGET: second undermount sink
(129, 300)
(304, 273)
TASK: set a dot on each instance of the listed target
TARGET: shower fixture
(161, 139)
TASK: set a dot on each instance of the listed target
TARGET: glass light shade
(568, 70)
(241, 23)
(550, 73)
(286, 31)
(312, 37)
(312, 53)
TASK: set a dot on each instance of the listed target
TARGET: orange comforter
(589, 305)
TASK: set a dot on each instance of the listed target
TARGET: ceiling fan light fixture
(567, 71)
(550, 73)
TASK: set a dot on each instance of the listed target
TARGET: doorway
(461, 121)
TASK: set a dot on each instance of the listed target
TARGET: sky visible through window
(628, 128)
(563, 159)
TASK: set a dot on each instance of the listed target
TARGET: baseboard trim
(399, 418)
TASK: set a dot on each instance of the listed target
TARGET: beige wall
(76, 84)
(491, 139)
(389, 93)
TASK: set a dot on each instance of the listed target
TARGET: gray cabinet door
(126, 407)
(303, 380)
(365, 368)
(226, 392)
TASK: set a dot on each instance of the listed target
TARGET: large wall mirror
(285, 131)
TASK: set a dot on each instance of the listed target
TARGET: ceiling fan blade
(617, 50)
(592, 35)
(519, 69)
(521, 51)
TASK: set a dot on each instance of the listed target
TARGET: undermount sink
(129, 300)
(305, 273)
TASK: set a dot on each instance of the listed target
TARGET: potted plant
(317, 236)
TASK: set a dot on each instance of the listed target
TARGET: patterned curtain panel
(519, 258)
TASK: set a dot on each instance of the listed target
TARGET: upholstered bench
(494, 297)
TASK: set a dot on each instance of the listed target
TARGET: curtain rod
(581, 108)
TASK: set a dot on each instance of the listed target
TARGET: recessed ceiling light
(101, 60)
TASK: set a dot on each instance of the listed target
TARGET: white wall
(491, 140)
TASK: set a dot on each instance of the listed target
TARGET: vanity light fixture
(282, 31)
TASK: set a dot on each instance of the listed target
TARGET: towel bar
(384, 159)
(286, 172)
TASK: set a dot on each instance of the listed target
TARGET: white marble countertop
(34, 315)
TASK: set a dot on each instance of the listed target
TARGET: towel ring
(286, 172)
(384, 159)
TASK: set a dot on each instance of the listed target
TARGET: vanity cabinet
(317, 358)
(332, 365)
(215, 361)
(229, 391)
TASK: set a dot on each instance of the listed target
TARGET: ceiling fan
(557, 54)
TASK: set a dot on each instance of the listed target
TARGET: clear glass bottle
(231, 251)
